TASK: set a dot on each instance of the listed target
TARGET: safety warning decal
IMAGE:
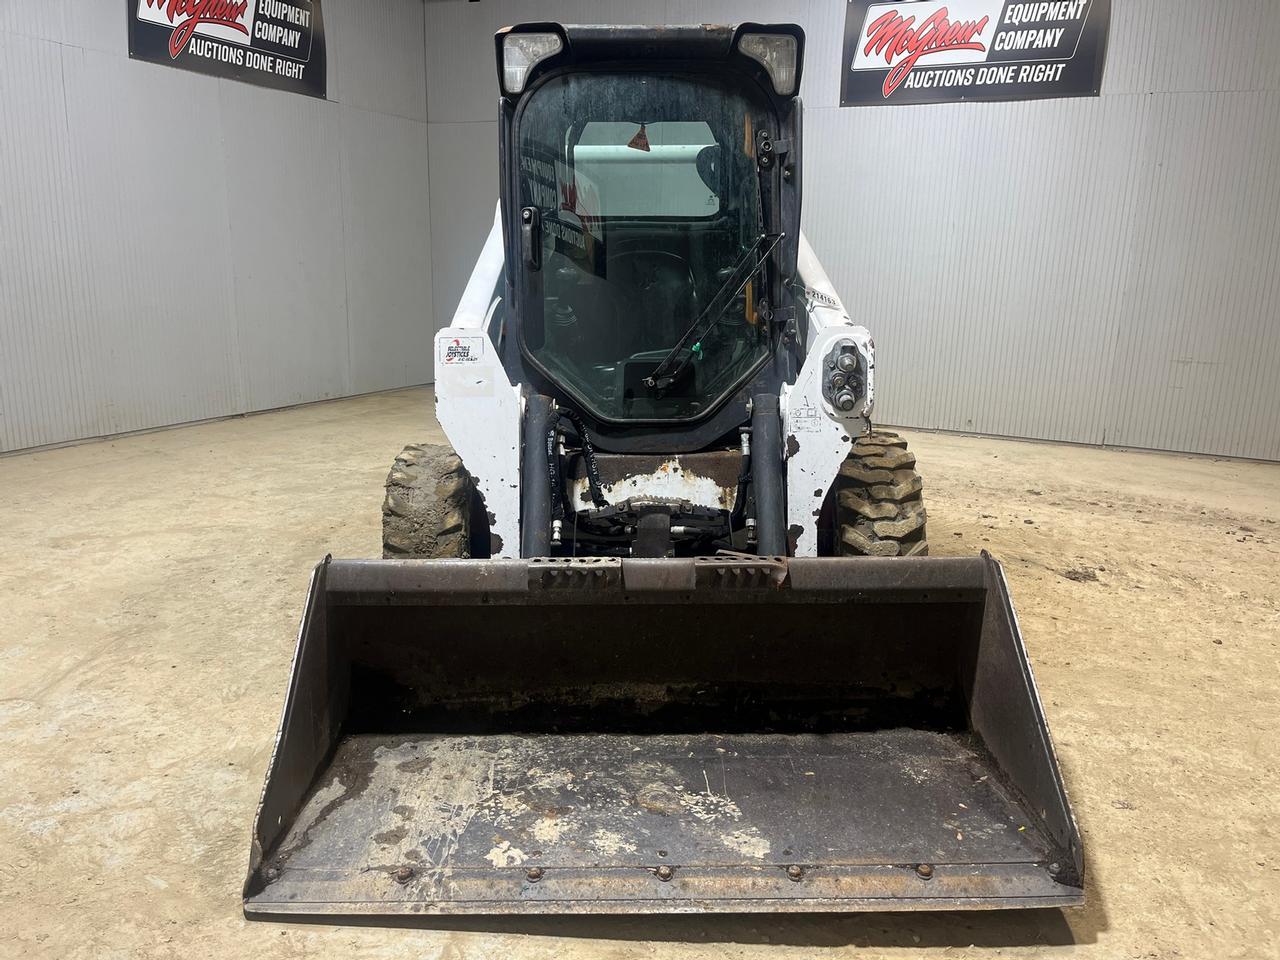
(272, 43)
(934, 51)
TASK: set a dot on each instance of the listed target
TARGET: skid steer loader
(657, 632)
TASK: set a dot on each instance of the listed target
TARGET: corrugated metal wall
(175, 247)
(1099, 271)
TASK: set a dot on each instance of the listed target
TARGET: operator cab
(650, 212)
(647, 206)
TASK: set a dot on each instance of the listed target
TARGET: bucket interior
(762, 749)
(660, 668)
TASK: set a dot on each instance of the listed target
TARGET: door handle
(531, 237)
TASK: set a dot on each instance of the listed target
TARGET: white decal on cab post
(454, 350)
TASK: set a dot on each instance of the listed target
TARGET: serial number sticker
(818, 297)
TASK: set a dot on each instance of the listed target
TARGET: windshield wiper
(662, 377)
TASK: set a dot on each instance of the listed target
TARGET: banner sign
(273, 43)
(934, 51)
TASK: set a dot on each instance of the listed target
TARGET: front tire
(879, 500)
(431, 510)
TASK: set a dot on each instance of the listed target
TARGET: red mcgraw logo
(186, 15)
(902, 43)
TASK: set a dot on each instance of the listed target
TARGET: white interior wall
(175, 247)
(1094, 270)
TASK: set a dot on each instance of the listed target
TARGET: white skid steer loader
(657, 632)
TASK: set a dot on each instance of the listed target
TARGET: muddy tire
(431, 510)
(879, 505)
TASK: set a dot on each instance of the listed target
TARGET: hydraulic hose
(535, 479)
(767, 475)
(739, 512)
(589, 456)
(553, 471)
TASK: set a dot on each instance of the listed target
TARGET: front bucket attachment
(623, 736)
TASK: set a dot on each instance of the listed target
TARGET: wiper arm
(662, 377)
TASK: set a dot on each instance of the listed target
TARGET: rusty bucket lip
(708, 580)
(718, 579)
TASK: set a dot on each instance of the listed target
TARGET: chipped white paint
(709, 807)
(608, 843)
(747, 842)
(505, 855)
(671, 481)
(504, 807)
(816, 436)
(477, 406)
(430, 793)
(549, 829)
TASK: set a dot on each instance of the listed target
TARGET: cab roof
(611, 43)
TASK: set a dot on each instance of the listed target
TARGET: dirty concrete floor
(151, 588)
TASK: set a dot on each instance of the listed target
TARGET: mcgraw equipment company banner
(929, 51)
(273, 43)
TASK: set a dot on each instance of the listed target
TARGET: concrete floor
(151, 588)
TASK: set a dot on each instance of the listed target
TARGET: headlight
(521, 52)
(776, 52)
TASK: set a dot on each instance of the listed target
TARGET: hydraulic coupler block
(844, 377)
